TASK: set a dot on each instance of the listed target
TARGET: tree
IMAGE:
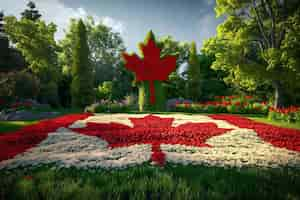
(175, 86)
(35, 39)
(11, 60)
(211, 81)
(82, 88)
(105, 49)
(105, 90)
(122, 82)
(253, 45)
(31, 12)
(169, 46)
(193, 75)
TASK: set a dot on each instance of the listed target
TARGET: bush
(49, 94)
(230, 104)
(104, 90)
(289, 115)
(106, 106)
(26, 85)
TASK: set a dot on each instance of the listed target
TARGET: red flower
(29, 178)
(277, 136)
(237, 103)
(19, 141)
(155, 131)
(248, 97)
(187, 105)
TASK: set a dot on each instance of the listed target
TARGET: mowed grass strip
(9, 126)
(148, 182)
(276, 123)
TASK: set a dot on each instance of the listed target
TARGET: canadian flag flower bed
(14, 143)
(121, 140)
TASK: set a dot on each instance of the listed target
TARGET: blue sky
(184, 20)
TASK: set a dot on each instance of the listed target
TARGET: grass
(276, 123)
(147, 182)
(7, 126)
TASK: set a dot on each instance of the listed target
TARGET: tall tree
(4, 44)
(31, 12)
(35, 39)
(105, 49)
(175, 86)
(193, 74)
(82, 88)
(254, 44)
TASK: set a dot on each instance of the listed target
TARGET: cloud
(206, 26)
(57, 12)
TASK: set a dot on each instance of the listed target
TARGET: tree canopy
(254, 44)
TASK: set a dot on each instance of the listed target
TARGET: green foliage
(105, 47)
(169, 46)
(193, 75)
(256, 43)
(31, 13)
(49, 93)
(82, 76)
(26, 85)
(122, 82)
(105, 90)
(107, 106)
(175, 86)
(288, 115)
(226, 104)
(64, 90)
(142, 96)
(35, 39)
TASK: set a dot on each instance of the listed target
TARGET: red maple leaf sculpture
(151, 67)
(155, 131)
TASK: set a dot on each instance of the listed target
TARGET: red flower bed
(19, 141)
(155, 131)
(277, 136)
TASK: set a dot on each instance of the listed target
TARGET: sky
(184, 20)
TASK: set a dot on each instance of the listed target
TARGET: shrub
(290, 114)
(104, 90)
(230, 104)
(26, 85)
(106, 106)
(49, 94)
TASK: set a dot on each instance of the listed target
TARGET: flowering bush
(290, 114)
(225, 104)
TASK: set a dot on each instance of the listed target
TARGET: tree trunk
(280, 99)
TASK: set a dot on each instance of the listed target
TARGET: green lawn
(276, 123)
(6, 126)
(147, 182)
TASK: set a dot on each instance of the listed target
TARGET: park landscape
(83, 117)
